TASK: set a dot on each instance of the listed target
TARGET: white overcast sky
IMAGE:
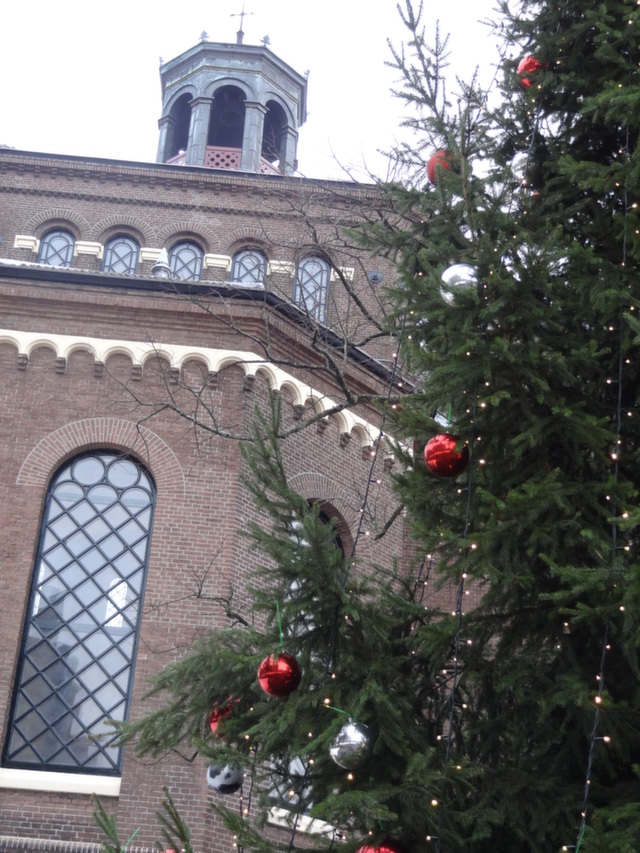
(82, 78)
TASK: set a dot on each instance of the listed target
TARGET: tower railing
(230, 159)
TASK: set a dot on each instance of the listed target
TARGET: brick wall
(222, 212)
(53, 408)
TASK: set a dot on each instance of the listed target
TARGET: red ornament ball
(442, 159)
(218, 715)
(528, 65)
(279, 675)
(442, 458)
(387, 846)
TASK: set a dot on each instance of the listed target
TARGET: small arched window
(312, 286)
(79, 644)
(56, 248)
(121, 255)
(249, 267)
(185, 260)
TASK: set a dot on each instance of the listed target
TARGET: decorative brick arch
(244, 236)
(186, 228)
(58, 215)
(103, 434)
(114, 223)
(320, 488)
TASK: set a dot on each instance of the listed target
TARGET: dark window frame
(56, 248)
(114, 260)
(249, 266)
(183, 267)
(311, 287)
(80, 639)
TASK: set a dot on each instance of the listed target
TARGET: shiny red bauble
(217, 715)
(441, 159)
(387, 846)
(442, 458)
(528, 65)
(279, 675)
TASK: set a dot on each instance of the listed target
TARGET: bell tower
(231, 106)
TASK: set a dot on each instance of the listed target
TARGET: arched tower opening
(226, 125)
(274, 135)
(180, 120)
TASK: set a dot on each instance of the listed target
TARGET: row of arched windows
(249, 266)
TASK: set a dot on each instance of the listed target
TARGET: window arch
(80, 637)
(56, 248)
(185, 260)
(121, 255)
(312, 286)
(249, 267)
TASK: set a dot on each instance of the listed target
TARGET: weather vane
(240, 33)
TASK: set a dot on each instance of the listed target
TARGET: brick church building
(146, 308)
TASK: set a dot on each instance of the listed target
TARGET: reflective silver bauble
(519, 165)
(351, 746)
(456, 278)
(225, 781)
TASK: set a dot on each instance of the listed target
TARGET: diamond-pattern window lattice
(121, 256)
(249, 267)
(185, 260)
(80, 638)
(56, 248)
(312, 286)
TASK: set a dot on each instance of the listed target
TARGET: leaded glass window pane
(311, 287)
(56, 248)
(121, 256)
(185, 260)
(249, 267)
(80, 639)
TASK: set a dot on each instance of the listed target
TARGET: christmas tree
(514, 724)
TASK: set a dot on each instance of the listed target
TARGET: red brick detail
(320, 488)
(247, 235)
(108, 227)
(183, 229)
(54, 216)
(103, 433)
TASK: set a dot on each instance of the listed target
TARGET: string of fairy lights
(616, 515)
(428, 563)
(519, 168)
(360, 532)
(596, 736)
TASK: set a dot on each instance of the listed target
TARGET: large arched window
(56, 248)
(81, 632)
(121, 255)
(185, 260)
(249, 267)
(312, 286)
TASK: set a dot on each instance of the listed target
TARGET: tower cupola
(231, 106)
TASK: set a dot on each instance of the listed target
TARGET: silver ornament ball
(456, 278)
(351, 746)
(519, 165)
